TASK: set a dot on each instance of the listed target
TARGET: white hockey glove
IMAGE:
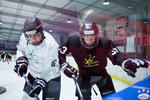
(69, 71)
(21, 66)
(131, 65)
(37, 86)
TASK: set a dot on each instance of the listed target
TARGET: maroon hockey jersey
(92, 60)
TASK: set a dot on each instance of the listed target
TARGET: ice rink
(14, 85)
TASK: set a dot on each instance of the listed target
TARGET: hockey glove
(131, 65)
(21, 66)
(37, 86)
(69, 71)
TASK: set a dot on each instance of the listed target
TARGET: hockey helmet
(89, 29)
(32, 26)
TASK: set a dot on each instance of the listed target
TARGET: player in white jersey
(37, 56)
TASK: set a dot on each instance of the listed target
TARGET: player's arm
(68, 70)
(114, 54)
(129, 65)
(21, 60)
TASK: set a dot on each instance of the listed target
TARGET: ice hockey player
(3, 57)
(90, 53)
(37, 56)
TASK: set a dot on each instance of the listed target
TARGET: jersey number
(63, 50)
(114, 51)
(53, 63)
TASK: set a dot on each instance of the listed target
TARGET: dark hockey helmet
(32, 25)
(89, 29)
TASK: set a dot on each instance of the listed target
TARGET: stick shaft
(78, 88)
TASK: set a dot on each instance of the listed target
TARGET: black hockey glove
(131, 65)
(69, 71)
(21, 66)
(37, 86)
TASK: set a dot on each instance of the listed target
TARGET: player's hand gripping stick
(28, 82)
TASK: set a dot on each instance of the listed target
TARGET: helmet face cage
(32, 26)
(89, 29)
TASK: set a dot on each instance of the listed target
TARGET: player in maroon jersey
(90, 53)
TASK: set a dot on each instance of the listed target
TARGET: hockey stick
(94, 90)
(28, 82)
(78, 89)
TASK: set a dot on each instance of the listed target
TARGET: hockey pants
(103, 82)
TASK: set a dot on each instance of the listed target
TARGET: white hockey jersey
(43, 59)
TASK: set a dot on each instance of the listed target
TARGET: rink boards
(138, 91)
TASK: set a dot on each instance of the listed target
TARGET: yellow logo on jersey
(90, 62)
